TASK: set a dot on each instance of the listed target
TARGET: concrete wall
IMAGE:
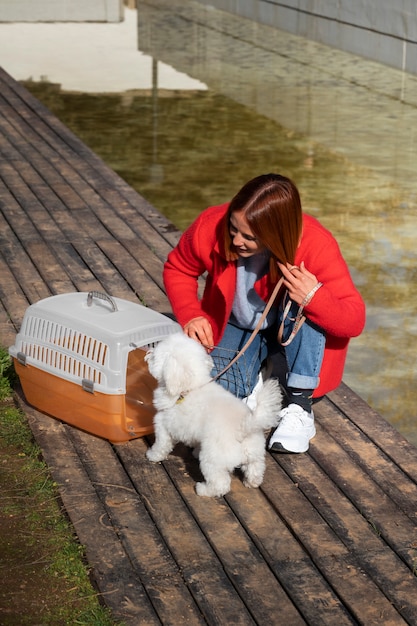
(61, 10)
(381, 30)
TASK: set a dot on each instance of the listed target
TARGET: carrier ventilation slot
(72, 340)
(62, 362)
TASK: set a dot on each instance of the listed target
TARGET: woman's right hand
(200, 329)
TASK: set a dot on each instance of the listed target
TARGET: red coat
(337, 307)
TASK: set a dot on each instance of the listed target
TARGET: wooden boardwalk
(329, 538)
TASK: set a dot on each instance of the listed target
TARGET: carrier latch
(21, 358)
(87, 385)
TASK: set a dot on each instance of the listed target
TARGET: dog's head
(180, 364)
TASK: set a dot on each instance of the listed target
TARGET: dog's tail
(268, 405)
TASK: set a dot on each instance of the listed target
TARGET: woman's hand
(298, 281)
(200, 329)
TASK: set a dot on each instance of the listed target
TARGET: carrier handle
(101, 296)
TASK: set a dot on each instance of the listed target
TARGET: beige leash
(299, 321)
(256, 329)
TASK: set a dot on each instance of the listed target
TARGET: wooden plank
(118, 583)
(383, 434)
(11, 190)
(103, 269)
(394, 482)
(158, 221)
(147, 291)
(143, 255)
(63, 206)
(57, 198)
(277, 578)
(92, 175)
(352, 585)
(47, 264)
(35, 247)
(82, 276)
(158, 572)
(241, 560)
(310, 592)
(204, 574)
(11, 295)
(17, 236)
(53, 274)
(381, 512)
(72, 230)
(370, 551)
(20, 264)
(7, 329)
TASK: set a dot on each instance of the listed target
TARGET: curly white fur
(197, 411)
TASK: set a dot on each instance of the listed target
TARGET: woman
(244, 248)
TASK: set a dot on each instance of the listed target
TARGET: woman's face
(245, 243)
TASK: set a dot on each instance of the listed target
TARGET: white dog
(195, 410)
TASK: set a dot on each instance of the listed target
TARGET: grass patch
(45, 579)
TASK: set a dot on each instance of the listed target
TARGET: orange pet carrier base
(80, 358)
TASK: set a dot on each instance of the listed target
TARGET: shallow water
(209, 101)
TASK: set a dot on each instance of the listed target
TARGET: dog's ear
(178, 375)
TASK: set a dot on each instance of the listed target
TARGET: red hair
(272, 208)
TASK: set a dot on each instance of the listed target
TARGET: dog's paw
(202, 490)
(252, 484)
(211, 491)
(155, 456)
(252, 478)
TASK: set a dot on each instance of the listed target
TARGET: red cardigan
(337, 307)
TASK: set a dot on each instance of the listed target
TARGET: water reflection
(342, 128)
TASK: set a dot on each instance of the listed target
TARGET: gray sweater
(247, 305)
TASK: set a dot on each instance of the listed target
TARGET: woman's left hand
(298, 281)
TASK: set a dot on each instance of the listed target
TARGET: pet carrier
(80, 358)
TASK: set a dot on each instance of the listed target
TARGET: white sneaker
(294, 431)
